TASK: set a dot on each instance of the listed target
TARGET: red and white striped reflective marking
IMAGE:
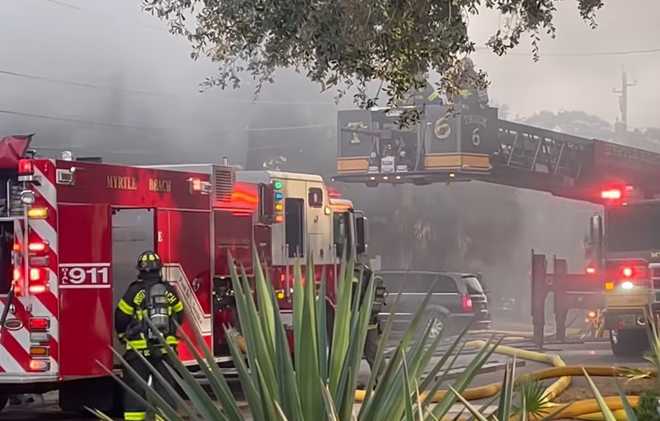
(15, 344)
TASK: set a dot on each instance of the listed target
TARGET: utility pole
(623, 99)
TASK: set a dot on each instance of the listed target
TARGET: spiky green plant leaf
(607, 412)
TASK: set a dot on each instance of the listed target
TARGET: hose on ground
(552, 391)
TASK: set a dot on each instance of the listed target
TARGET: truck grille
(223, 183)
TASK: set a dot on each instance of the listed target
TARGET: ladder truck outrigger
(466, 141)
(70, 231)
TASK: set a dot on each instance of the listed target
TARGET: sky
(569, 76)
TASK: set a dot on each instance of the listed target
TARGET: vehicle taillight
(611, 194)
(37, 213)
(37, 289)
(36, 274)
(39, 324)
(25, 167)
(466, 303)
(590, 270)
(37, 279)
(39, 351)
(37, 246)
(627, 271)
(39, 365)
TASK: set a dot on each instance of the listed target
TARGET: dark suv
(456, 300)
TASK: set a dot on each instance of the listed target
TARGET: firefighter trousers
(134, 410)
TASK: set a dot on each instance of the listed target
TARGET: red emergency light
(25, 167)
(627, 271)
(611, 194)
(39, 324)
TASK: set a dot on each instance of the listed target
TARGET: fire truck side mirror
(362, 231)
(266, 204)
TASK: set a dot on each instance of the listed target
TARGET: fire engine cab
(70, 231)
(625, 253)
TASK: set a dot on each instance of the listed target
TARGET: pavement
(586, 353)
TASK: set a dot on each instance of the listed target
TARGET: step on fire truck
(70, 231)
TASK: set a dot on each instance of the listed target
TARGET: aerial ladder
(460, 142)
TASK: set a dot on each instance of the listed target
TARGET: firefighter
(150, 296)
(472, 96)
(424, 95)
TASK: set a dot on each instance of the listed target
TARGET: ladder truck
(465, 142)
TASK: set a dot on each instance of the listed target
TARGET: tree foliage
(345, 44)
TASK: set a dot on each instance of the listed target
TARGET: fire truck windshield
(633, 227)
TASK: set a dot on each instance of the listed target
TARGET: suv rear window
(415, 282)
(473, 285)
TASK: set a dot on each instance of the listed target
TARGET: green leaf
(630, 412)
(215, 377)
(171, 391)
(607, 413)
(158, 400)
(468, 405)
(506, 395)
(380, 351)
(98, 414)
(468, 375)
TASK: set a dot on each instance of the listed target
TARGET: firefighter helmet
(149, 261)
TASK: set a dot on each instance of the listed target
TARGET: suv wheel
(438, 326)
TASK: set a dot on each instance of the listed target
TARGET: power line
(581, 54)
(81, 121)
(78, 121)
(75, 83)
(309, 126)
(63, 4)
(89, 85)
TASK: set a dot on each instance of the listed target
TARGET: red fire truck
(625, 252)
(70, 232)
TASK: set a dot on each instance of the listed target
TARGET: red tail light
(25, 167)
(591, 270)
(466, 303)
(39, 324)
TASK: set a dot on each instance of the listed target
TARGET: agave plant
(318, 378)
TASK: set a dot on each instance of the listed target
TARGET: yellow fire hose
(587, 410)
(552, 391)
